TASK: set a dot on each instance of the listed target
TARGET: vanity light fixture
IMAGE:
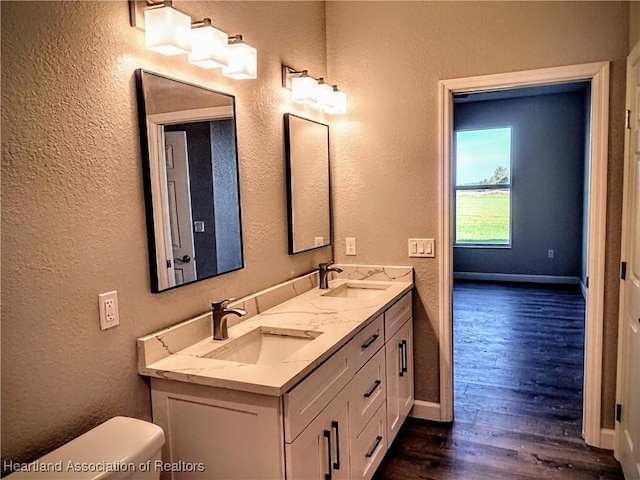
(318, 94)
(243, 60)
(338, 102)
(171, 32)
(210, 46)
(302, 88)
(321, 95)
(167, 31)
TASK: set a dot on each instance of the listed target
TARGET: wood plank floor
(518, 353)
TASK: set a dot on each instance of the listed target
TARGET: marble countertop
(169, 354)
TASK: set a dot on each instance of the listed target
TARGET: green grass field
(482, 217)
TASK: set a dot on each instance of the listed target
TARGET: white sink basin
(357, 290)
(264, 346)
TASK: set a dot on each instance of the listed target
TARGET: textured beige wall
(73, 222)
(634, 23)
(390, 56)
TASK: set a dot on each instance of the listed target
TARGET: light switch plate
(422, 247)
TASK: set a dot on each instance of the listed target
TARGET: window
(483, 187)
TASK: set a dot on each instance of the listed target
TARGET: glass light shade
(243, 62)
(322, 95)
(167, 31)
(303, 89)
(209, 47)
(338, 102)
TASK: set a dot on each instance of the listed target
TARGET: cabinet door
(321, 451)
(399, 358)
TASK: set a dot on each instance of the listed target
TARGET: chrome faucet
(323, 270)
(219, 312)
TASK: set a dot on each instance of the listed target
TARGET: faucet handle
(326, 264)
(221, 305)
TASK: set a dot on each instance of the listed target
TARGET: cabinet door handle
(368, 343)
(404, 357)
(401, 352)
(327, 435)
(373, 449)
(373, 389)
(336, 426)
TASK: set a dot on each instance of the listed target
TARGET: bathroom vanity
(316, 386)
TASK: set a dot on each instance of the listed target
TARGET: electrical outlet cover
(108, 305)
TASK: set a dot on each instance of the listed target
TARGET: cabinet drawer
(396, 315)
(370, 447)
(369, 391)
(367, 342)
(307, 399)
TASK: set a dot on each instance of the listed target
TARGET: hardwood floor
(518, 353)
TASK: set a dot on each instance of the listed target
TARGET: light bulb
(210, 47)
(243, 60)
(302, 88)
(167, 31)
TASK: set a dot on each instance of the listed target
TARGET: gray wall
(548, 153)
(585, 186)
(225, 195)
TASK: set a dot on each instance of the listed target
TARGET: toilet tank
(120, 448)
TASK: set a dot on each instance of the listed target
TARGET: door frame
(598, 74)
(625, 248)
(158, 174)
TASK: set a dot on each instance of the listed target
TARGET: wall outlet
(108, 304)
(550, 253)
(351, 245)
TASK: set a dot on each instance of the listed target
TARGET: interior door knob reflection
(185, 259)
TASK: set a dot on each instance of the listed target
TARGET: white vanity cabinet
(399, 363)
(399, 356)
(321, 451)
(336, 423)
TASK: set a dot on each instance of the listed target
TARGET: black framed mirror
(308, 183)
(191, 180)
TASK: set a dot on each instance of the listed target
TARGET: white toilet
(120, 448)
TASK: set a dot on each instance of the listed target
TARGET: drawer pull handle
(327, 435)
(368, 343)
(401, 352)
(404, 357)
(336, 426)
(373, 389)
(370, 453)
(405, 365)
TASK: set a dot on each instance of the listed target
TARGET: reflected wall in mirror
(307, 159)
(190, 164)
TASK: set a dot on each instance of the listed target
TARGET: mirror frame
(288, 162)
(153, 206)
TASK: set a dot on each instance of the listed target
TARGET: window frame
(502, 186)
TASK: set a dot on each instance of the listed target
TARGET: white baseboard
(607, 438)
(516, 277)
(426, 410)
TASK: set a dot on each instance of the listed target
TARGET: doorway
(598, 75)
(519, 259)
